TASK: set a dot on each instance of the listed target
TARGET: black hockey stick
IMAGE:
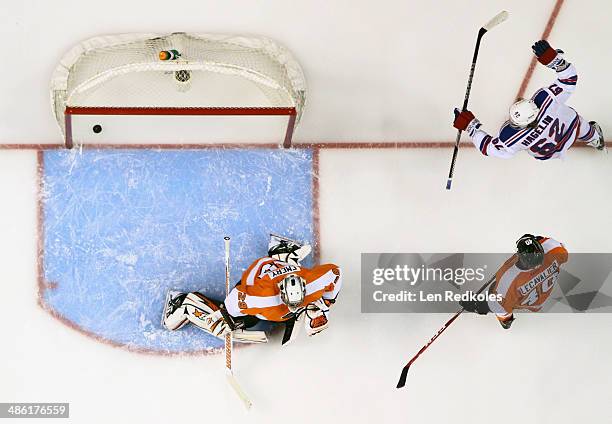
(498, 19)
(402, 381)
(289, 324)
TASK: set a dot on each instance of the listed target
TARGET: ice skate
(174, 299)
(598, 143)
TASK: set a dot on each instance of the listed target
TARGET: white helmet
(523, 113)
(292, 291)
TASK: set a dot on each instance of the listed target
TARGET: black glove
(541, 47)
(548, 56)
(231, 322)
(481, 307)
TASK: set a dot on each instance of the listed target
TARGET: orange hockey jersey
(528, 289)
(258, 293)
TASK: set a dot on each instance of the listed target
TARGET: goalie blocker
(274, 288)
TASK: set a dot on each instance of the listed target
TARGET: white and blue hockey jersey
(557, 125)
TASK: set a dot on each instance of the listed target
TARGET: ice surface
(378, 84)
(123, 227)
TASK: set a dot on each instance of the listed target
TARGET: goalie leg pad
(249, 336)
(205, 314)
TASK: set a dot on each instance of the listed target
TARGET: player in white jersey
(543, 125)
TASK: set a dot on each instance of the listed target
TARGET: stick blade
(402, 381)
(238, 390)
(496, 20)
(449, 182)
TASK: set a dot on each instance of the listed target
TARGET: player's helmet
(292, 291)
(523, 113)
(529, 251)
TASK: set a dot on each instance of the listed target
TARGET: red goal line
(291, 112)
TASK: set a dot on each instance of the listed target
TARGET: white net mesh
(209, 71)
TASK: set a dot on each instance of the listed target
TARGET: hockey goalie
(274, 288)
(544, 125)
(524, 281)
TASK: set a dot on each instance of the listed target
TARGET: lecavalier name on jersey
(542, 276)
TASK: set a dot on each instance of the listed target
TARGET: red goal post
(115, 77)
(70, 111)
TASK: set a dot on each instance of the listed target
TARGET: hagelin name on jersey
(537, 132)
(538, 279)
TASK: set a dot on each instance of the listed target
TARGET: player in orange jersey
(524, 281)
(274, 288)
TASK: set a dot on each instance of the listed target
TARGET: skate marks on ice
(120, 228)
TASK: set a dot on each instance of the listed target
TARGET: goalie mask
(523, 113)
(292, 291)
(530, 252)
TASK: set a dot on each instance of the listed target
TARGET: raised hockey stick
(228, 337)
(498, 19)
(402, 381)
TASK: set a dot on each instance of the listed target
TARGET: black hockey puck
(97, 128)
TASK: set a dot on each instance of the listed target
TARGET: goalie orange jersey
(528, 289)
(258, 293)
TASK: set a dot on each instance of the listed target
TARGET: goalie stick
(498, 19)
(402, 381)
(291, 331)
(289, 334)
(228, 337)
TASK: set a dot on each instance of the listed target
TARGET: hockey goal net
(182, 87)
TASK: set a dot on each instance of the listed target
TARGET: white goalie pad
(296, 257)
(204, 314)
(248, 336)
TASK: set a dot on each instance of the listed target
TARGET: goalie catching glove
(292, 291)
(316, 319)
